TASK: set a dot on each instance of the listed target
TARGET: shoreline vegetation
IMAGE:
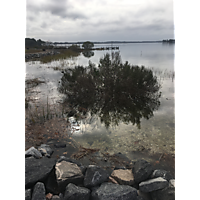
(49, 51)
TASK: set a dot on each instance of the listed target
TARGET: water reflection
(114, 91)
(88, 54)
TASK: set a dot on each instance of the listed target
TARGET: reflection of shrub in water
(115, 91)
(88, 54)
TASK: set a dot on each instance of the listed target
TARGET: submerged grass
(64, 54)
(30, 85)
(42, 113)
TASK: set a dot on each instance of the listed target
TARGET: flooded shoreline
(47, 117)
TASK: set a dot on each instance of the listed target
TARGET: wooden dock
(106, 48)
(92, 49)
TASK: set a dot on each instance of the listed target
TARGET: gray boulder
(168, 193)
(74, 192)
(94, 176)
(108, 191)
(37, 170)
(153, 184)
(28, 194)
(51, 183)
(71, 160)
(33, 152)
(45, 150)
(39, 192)
(142, 171)
(61, 196)
(161, 173)
(143, 195)
(66, 173)
(55, 197)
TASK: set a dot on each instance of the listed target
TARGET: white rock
(67, 172)
(124, 177)
(172, 182)
(33, 152)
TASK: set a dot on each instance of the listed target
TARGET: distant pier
(66, 46)
(106, 48)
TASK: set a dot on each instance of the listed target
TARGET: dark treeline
(32, 43)
(169, 41)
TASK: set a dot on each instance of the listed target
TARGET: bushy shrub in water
(113, 90)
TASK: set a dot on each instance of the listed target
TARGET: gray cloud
(67, 20)
(61, 8)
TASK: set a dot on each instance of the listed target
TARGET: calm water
(156, 134)
(155, 55)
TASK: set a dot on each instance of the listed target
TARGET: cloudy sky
(99, 20)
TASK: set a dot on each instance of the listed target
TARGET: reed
(42, 113)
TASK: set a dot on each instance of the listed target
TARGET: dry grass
(64, 54)
(33, 50)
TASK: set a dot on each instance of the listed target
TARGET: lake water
(154, 138)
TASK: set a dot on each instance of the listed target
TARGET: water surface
(154, 137)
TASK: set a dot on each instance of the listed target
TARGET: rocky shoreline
(103, 177)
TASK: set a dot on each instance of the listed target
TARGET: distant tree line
(32, 43)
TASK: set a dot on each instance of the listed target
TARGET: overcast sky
(99, 20)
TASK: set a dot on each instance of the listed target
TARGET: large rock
(108, 191)
(168, 193)
(74, 192)
(63, 158)
(58, 197)
(51, 183)
(142, 171)
(153, 184)
(66, 173)
(94, 176)
(37, 170)
(33, 152)
(143, 195)
(123, 177)
(39, 192)
(71, 160)
(45, 150)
